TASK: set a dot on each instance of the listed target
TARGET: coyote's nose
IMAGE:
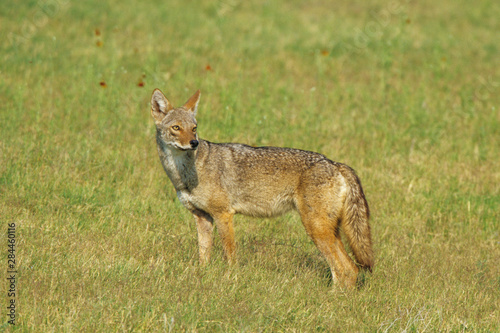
(194, 143)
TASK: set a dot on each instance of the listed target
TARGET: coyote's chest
(188, 200)
(180, 168)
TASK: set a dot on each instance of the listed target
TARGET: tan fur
(215, 181)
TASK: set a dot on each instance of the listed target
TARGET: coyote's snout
(214, 181)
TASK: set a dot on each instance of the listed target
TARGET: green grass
(407, 95)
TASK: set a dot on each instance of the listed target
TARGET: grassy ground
(406, 92)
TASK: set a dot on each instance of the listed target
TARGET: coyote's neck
(179, 166)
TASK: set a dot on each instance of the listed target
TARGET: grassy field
(405, 92)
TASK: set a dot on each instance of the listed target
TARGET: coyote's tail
(355, 220)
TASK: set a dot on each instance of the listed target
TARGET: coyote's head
(175, 127)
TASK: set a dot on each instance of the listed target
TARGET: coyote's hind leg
(320, 208)
(328, 242)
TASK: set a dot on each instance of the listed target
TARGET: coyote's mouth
(183, 148)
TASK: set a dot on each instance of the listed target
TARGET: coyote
(214, 181)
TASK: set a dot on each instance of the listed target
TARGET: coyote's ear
(159, 105)
(192, 103)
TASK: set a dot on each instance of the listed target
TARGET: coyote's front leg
(204, 224)
(224, 223)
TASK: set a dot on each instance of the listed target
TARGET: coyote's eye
(194, 129)
(176, 128)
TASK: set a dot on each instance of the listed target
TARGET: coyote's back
(215, 181)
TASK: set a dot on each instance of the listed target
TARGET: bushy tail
(355, 220)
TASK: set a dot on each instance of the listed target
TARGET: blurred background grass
(407, 93)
